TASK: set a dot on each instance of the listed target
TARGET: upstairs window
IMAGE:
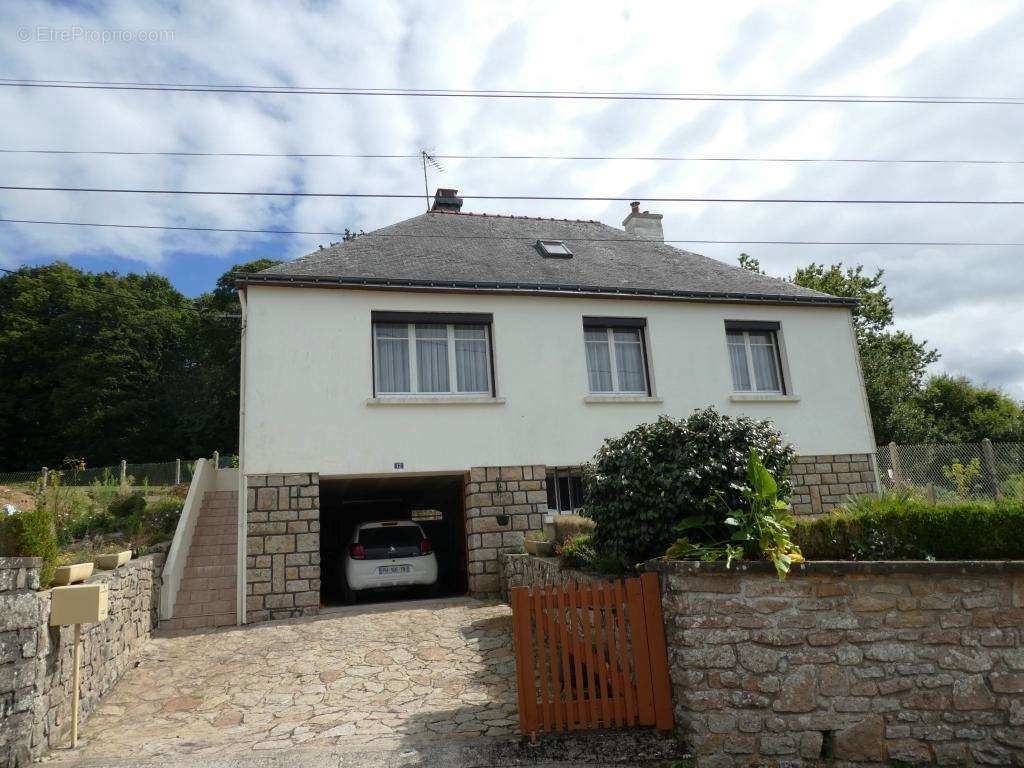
(554, 248)
(427, 357)
(755, 357)
(616, 357)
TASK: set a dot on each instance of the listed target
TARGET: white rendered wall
(308, 379)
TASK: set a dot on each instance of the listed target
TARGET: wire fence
(153, 473)
(958, 472)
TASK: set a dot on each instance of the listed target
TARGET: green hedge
(30, 534)
(898, 527)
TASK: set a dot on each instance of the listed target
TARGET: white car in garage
(388, 554)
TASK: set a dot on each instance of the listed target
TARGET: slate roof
(478, 252)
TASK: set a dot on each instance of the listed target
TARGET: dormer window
(555, 249)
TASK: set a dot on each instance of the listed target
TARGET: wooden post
(124, 472)
(46, 477)
(75, 682)
(894, 459)
(988, 458)
(929, 491)
(216, 459)
(177, 471)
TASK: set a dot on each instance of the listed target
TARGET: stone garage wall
(502, 504)
(860, 663)
(36, 660)
(282, 546)
(822, 483)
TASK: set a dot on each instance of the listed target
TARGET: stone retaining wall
(860, 663)
(502, 504)
(36, 660)
(518, 570)
(846, 663)
(821, 483)
(282, 546)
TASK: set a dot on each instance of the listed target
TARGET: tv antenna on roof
(426, 157)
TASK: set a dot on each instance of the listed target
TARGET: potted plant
(538, 543)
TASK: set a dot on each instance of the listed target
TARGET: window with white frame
(616, 356)
(565, 490)
(755, 357)
(424, 357)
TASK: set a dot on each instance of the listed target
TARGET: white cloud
(964, 299)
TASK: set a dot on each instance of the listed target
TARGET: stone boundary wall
(857, 663)
(519, 570)
(821, 483)
(282, 558)
(502, 504)
(844, 663)
(36, 659)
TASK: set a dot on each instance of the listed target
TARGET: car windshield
(397, 536)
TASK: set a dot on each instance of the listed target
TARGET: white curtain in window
(432, 357)
(599, 362)
(629, 357)
(392, 357)
(738, 362)
(471, 358)
(762, 353)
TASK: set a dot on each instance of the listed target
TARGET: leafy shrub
(760, 528)
(641, 485)
(570, 526)
(903, 527)
(1013, 487)
(537, 536)
(30, 534)
(127, 506)
(160, 518)
(578, 551)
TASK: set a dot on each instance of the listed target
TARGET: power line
(635, 158)
(562, 198)
(509, 94)
(922, 243)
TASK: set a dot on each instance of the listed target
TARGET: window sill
(439, 400)
(616, 398)
(765, 398)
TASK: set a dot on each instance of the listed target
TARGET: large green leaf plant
(761, 528)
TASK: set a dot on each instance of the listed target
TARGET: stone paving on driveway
(384, 676)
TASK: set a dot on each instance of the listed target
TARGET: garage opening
(433, 502)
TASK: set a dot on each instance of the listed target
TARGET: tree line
(104, 366)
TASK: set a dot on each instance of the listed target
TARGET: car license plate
(386, 570)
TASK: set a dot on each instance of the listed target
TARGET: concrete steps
(206, 595)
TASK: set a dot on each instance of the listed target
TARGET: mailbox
(78, 604)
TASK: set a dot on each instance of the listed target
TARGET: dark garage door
(435, 502)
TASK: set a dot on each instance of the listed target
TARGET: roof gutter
(243, 279)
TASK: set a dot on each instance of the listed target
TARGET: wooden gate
(591, 656)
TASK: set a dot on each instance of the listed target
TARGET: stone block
(279, 544)
(863, 741)
(279, 601)
(266, 498)
(307, 542)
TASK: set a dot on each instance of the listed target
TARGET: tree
(962, 412)
(107, 366)
(893, 362)
(86, 358)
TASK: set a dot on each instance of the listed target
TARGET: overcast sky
(965, 301)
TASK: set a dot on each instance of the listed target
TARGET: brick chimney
(447, 200)
(646, 225)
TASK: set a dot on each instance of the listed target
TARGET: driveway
(389, 676)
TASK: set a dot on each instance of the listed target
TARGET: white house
(460, 367)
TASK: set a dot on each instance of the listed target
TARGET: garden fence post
(177, 471)
(988, 457)
(216, 459)
(894, 460)
(46, 477)
(124, 472)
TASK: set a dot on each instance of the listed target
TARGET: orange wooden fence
(591, 656)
